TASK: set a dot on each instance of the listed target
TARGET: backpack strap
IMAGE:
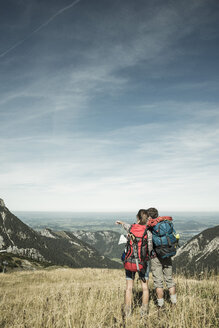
(128, 242)
(168, 238)
(145, 232)
(131, 235)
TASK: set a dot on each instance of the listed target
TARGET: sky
(109, 105)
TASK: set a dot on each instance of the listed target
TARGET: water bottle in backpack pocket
(123, 255)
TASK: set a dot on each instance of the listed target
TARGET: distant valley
(187, 224)
(104, 241)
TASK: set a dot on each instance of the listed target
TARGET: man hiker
(161, 265)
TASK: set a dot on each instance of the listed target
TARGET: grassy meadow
(93, 298)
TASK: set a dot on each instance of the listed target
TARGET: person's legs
(145, 295)
(159, 292)
(145, 289)
(128, 293)
(157, 272)
(173, 298)
(145, 299)
(168, 276)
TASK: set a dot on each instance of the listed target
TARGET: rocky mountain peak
(2, 203)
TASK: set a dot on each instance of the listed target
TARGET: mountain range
(59, 248)
(94, 249)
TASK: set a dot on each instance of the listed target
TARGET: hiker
(130, 275)
(161, 263)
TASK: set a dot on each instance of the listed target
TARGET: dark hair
(142, 220)
(152, 212)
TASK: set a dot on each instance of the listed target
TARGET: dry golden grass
(92, 298)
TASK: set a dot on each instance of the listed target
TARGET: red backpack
(137, 249)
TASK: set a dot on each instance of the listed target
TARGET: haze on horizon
(109, 105)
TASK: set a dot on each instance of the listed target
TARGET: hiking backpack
(136, 255)
(164, 237)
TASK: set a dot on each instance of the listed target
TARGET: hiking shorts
(131, 275)
(162, 271)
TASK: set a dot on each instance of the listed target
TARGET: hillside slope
(200, 253)
(13, 262)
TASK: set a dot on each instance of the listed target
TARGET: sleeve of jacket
(150, 242)
(126, 226)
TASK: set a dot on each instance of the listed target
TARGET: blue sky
(109, 104)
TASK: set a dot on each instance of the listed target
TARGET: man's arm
(150, 242)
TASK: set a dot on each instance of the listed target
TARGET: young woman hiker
(130, 275)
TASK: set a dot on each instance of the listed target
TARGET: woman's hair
(142, 220)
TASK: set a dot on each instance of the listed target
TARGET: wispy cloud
(133, 165)
(40, 27)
